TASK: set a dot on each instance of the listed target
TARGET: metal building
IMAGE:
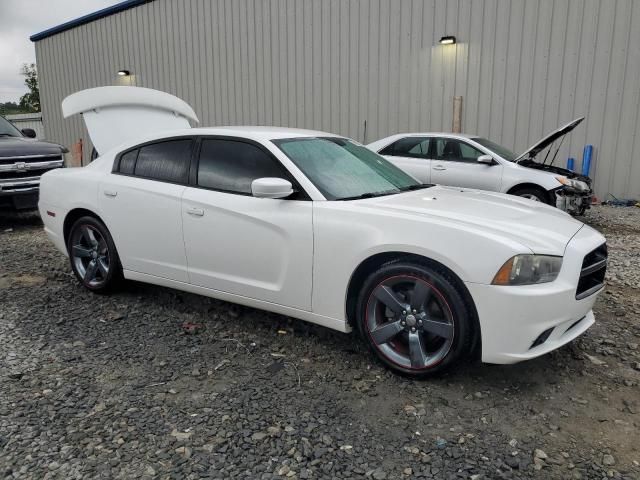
(522, 67)
(28, 120)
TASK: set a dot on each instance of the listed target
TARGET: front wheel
(535, 194)
(414, 318)
(93, 255)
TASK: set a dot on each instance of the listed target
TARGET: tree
(30, 101)
(9, 108)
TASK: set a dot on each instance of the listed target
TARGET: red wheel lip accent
(366, 318)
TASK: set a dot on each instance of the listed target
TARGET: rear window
(417, 147)
(128, 162)
(166, 161)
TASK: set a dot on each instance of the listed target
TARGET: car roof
(260, 132)
(437, 134)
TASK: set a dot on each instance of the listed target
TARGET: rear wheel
(93, 255)
(414, 318)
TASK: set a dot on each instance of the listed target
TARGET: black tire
(91, 249)
(445, 311)
(532, 193)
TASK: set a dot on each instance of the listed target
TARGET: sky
(19, 19)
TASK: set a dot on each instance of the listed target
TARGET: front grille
(30, 158)
(594, 267)
(12, 175)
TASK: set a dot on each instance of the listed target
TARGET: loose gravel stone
(154, 383)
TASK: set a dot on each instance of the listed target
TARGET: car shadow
(521, 376)
(10, 219)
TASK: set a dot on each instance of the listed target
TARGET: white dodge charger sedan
(318, 227)
(471, 161)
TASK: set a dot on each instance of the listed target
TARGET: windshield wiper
(6, 135)
(418, 186)
(369, 195)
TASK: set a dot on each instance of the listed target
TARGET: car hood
(547, 140)
(555, 170)
(541, 228)
(20, 146)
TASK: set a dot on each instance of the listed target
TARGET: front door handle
(196, 212)
(111, 193)
(439, 167)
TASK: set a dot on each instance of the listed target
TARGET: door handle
(439, 167)
(197, 212)
(111, 193)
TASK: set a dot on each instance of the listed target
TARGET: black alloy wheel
(93, 255)
(414, 318)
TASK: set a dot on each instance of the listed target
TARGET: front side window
(417, 147)
(455, 150)
(167, 161)
(231, 166)
(499, 149)
(344, 170)
(7, 129)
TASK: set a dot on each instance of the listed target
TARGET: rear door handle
(197, 212)
(439, 167)
(111, 193)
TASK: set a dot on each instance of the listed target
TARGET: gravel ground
(154, 383)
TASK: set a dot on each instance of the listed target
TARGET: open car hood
(114, 115)
(543, 143)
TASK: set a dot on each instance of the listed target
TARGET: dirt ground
(155, 383)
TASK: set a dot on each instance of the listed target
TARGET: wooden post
(76, 154)
(456, 126)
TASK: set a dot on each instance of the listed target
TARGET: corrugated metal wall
(523, 68)
(28, 120)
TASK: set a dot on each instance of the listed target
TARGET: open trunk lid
(116, 114)
(543, 143)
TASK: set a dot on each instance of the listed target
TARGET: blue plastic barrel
(586, 159)
(570, 163)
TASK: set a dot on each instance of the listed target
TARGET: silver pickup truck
(22, 161)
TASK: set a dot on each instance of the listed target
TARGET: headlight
(528, 270)
(575, 184)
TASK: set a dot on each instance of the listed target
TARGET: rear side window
(166, 161)
(408, 147)
(128, 162)
(231, 166)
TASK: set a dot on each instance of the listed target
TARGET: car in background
(22, 162)
(317, 227)
(471, 161)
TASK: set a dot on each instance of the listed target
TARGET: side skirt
(328, 322)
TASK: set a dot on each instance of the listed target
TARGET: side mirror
(29, 132)
(269, 187)
(486, 159)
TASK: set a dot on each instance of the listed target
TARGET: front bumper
(19, 194)
(574, 203)
(523, 322)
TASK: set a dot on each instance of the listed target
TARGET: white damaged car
(318, 227)
(471, 161)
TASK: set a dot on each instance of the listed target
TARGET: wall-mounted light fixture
(124, 73)
(448, 40)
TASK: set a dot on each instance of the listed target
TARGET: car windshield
(7, 129)
(499, 149)
(344, 170)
